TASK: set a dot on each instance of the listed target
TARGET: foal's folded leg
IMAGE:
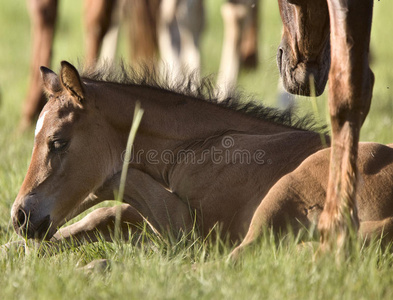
(144, 196)
(377, 229)
(282, 207)
(101, 224)
(162, 208)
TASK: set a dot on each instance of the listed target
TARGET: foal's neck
(174, 117)
(172, 121)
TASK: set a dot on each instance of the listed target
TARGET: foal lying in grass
(196, 162)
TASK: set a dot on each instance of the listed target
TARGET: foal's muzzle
(27, 229)
(29, 225)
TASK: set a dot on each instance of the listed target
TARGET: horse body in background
(193, 159)
(306, 51)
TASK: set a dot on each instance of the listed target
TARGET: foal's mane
(202, 89)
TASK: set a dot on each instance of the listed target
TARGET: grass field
(185, 270)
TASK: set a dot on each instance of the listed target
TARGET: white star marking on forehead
(40, 123)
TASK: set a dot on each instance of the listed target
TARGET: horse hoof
(17, 246)
(96, 266)
(235, 255)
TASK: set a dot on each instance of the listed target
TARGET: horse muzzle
(297, 74)
(30, 225)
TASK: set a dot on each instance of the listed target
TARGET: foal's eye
(57, 146)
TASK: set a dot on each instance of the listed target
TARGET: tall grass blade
(315, 107)
(138, 113)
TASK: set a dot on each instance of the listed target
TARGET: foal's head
(304, 50)
(70, 155)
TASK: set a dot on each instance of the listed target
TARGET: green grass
(182, 271)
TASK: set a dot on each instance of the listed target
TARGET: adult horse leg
(350, 91)
(191, 20)
(240, 41)
(249, 38)
(143, 16)
(43, 15)
(234, 16)
(169, 38)
(109, 42)
(97, 19)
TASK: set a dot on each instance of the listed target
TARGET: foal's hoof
(311, 246)
(17, 246)
(96, 266)
(235, 255)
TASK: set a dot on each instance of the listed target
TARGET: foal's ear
(50, 80)
(71, 81)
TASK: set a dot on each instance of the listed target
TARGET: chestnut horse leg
(190, 20)
(43, 17)
(143, 16)
(350, 91)
(234, 16)
(240, 41)
(249, 39)
(169, 38)
(109, 42)
(97, 17)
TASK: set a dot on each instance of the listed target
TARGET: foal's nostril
(22, 218)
